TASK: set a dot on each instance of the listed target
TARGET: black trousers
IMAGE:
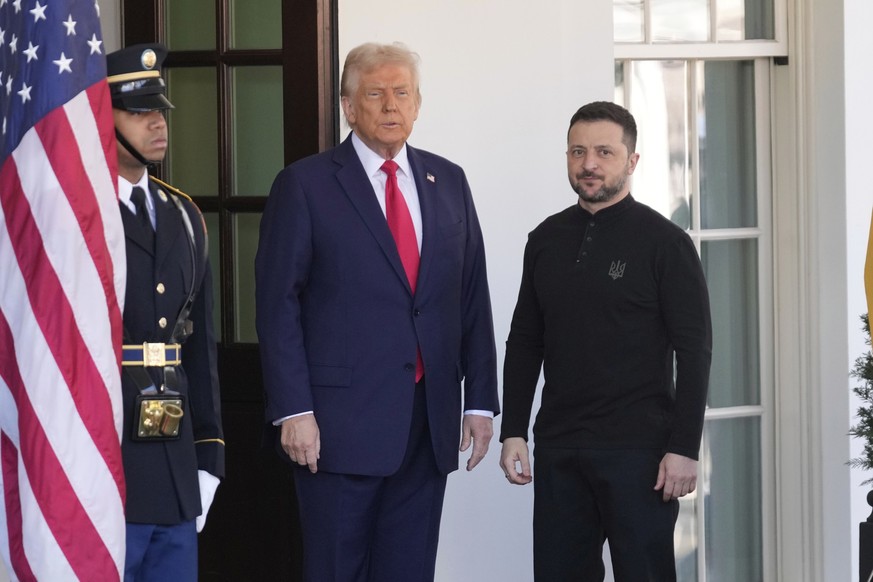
(583, 497)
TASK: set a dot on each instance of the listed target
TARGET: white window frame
(760, 52)
(734, 49)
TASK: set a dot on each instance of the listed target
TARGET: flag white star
(4, 119)
(25, 93)
(2, 3)
(13, 44)
(97, 8)
(9, 85)
(31, 52)
(38, 12)
(71, 25)
(95, 44)
(2, 37)
(17, 4)
(63, 64)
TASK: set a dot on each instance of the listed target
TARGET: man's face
(146, 132)
(383, 109)
(598, 163)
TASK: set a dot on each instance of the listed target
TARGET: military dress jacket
(161, 477)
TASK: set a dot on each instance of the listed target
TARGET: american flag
(62, 274)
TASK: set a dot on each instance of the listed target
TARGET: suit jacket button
(160, 288)
(162, 322)
(416, 313)
(409, 367)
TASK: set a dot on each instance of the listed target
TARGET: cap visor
(151, 102)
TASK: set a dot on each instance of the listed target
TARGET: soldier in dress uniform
(172, 443)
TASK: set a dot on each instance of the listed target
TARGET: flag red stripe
(60, 144)
(11, 494)
(64, 513)
(101, 105)
(58, 325)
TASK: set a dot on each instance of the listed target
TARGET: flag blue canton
(49, 52)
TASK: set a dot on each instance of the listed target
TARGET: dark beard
(605, 194)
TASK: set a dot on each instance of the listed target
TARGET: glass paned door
(699, 126)
(227, 133)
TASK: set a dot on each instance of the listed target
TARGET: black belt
(151, 355)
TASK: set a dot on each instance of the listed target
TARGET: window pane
(728, 177)
(193, 155)
(732, 499)
(745, 20)
(619, 94)
(731, 268)
(730, 19)
(246, 228)
(211, 219)
(659, 103)
(258, 150)
(628, 20)
(255, 25)
(190, 25)
(680, 20)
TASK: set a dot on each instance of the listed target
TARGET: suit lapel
(425, 182)
(133, 230)
(356, 184)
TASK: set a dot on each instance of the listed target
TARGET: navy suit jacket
(338, 324)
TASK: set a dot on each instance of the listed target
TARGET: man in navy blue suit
(372, 309)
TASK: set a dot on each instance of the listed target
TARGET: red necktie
(400, 224)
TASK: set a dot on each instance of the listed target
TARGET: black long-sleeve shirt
(606, 301)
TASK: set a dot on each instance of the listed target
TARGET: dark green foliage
(863, 371)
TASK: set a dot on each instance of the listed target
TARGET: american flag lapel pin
(430, 178)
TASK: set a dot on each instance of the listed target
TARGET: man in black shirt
(611, 293)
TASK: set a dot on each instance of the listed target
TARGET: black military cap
(134, 76)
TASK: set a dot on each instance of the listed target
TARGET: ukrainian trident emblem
(616, 269)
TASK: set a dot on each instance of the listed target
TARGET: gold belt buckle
(154, 354)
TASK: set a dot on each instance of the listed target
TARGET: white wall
(859, 151)
(813, 516)
(500, 81)
(828, 286)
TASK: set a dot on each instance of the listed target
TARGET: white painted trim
(727, 412)
(813, 516)
(764, 165)
(733, 50)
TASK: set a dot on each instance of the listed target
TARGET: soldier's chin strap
(123, 141)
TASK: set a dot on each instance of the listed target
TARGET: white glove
(208, 485)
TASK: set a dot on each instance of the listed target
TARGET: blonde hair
(371, 55)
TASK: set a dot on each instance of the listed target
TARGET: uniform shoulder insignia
(178, 192)
(172, 189)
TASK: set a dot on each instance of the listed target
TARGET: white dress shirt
(125, 189)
